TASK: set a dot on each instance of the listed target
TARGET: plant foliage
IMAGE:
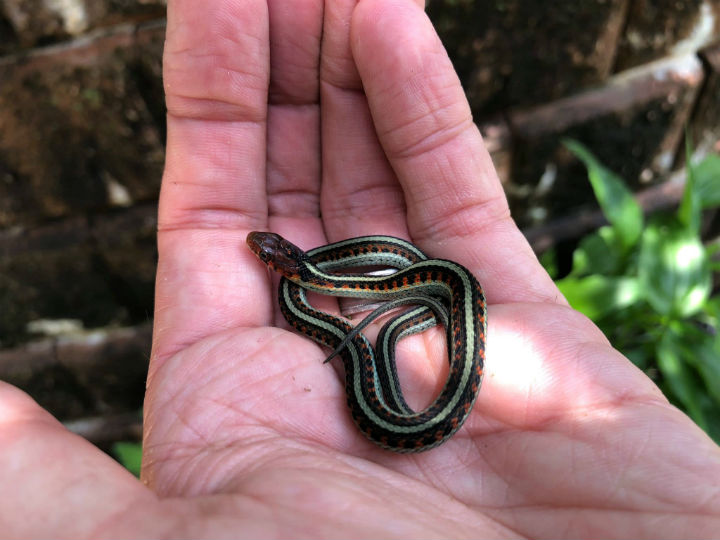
(129, 454)
(648, 285)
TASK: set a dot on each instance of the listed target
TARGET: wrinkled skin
(246, 431)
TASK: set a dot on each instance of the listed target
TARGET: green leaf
(678, 377)
(598, 253)
(707, 181)
(712, 310)
(689, 356)
(638, 356)
(548, 260)
(708, 364)
(129, 454)
(689, 213)
(713, 416)
(673, 269)
(701, 349)
(615, 199)
(597, 295)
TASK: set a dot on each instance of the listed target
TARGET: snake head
(276, 252)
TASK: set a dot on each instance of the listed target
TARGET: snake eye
(264, 256)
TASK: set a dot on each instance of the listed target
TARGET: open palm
(323, 121)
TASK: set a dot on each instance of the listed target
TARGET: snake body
(442, 290)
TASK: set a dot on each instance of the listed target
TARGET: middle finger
(293, 140)
(360, 192)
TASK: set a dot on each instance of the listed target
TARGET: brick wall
(81, 154)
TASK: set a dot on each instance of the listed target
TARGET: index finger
(216, 74)
(456, 205)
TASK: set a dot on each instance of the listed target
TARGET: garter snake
(442, 290)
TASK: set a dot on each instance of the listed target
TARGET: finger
(294, 120)
(456, 206)
(56, 484)
(216, 66)
(293, 182)
(360, 194)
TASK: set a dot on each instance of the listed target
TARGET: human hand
(246, 431)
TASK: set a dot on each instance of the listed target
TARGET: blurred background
(82, 130)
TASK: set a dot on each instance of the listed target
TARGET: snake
(442, 291)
